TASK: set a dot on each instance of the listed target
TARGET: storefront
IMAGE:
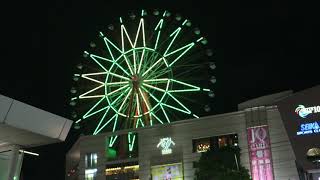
(170, 151)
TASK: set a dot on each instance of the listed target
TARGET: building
(171, 149)
(23, 126)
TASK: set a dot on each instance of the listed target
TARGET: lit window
(204, 144)
(223, 141)
(91, 160)
(201, 145)
(90, 174)
(129, 170)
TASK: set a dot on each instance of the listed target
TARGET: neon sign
(166, 144)
(309, 128)
(305, 111)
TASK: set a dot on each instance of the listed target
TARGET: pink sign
(260, 153)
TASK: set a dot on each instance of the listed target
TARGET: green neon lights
(156, 63)
(112, 140)
(184, 22)
(131, 144)
(175, 33)
(195, 116)
(102, 119)
(164, 13)
(134, 79)
(199, 39)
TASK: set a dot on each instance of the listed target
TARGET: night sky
(260, 47)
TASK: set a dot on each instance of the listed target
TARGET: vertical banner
(260, 153)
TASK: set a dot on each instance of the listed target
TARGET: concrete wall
(4, 164)
(282, 153)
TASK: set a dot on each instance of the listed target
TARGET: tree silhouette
(221, 164)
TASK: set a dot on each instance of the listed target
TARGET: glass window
(222, 141)
(204, 144)
(201, 145)
(91, 160)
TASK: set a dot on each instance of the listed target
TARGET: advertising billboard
(300, 114)
(167, 172)
(260, 153)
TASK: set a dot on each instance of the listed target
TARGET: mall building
(172, 150)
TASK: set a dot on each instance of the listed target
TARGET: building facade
(171, 150)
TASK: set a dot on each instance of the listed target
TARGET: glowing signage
(309, 128)
(303, 111)
(166, 144)
(260, 153)
(168, 172)
(202, 147)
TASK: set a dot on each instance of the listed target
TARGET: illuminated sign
(305, 111)
(203, 147)
(165, 144)
(260, 153)
(168, 171)
(309, 128)
(90, 173)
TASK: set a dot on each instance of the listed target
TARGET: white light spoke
(128, 64)
(95, 57)
(186, 87)
(107, 42)
(84, 94)
(153, 87)
(119, 76)
(93, 96)
(138, 104)
(165, 114)
(186, 109)
(124, 100)
(102, 119)
(144, 99)
(93, 74)
(157, 118)
(141, 59)
(119, 89)
(117, 83)
(157, 80)
(152, 67)
(90, 113)
(97, 131)
(94, 80)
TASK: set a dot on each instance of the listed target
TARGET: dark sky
(262, 47)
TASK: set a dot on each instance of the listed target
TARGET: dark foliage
(221, 164)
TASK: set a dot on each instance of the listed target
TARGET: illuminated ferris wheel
(140, 72)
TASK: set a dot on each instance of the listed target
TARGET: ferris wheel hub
(135, 80)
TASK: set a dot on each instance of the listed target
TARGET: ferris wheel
(140, 72)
